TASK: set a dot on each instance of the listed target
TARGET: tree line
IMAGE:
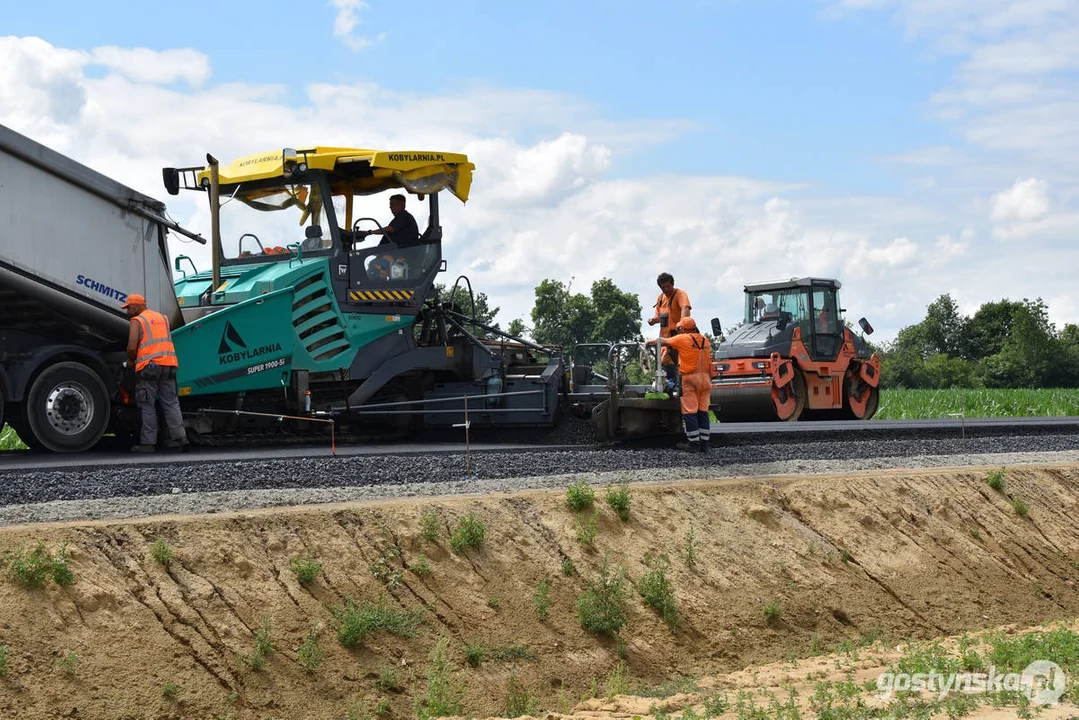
(1005, 344)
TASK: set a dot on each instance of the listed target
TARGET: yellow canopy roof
(358, 170)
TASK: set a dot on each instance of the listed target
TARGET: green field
(915, 404)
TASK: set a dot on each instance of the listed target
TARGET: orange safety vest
(690, 362)
(155, 341)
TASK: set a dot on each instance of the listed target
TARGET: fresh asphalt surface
(725, 434)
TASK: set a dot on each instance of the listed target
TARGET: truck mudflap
(242, 347)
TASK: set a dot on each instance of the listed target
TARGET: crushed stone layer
(187, 499)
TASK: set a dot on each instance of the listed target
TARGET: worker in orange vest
(151, 352)
(695, 367)
(671, 306)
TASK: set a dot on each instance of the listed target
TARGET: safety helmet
(687, 324)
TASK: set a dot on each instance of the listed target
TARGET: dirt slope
(898, 554)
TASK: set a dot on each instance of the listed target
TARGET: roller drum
(743, 404)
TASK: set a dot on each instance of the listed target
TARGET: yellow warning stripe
(381, 295)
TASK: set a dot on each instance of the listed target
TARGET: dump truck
(74, 244)
(793, 357)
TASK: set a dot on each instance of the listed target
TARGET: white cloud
(346, 20)
(151, 66)
(544, 203)
(1025, 200)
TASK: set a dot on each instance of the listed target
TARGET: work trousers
(157, 382)
(696, 394)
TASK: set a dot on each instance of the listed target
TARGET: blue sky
(909, 147)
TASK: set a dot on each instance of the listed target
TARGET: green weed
(1020, 506)
(772, 611)
(306, 568)
(34, 567)
(618, 681)
(170, 690)
(568, 567)
(9, 440)
(655, 588)
(518, 700)
(580, 495)
(602, 607)
(68, 663)
(421, 566)
(469, 533)
(541, 599)
(586, 530)
(310, 653)
(387, 679)
(4, 653)
(160, 551)
(689, 548)
(619, 500)
(385, 573)
(996, 479)
(444, 692)
(430, 525)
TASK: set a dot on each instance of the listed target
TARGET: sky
(909, 148)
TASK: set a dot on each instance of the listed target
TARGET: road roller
(794, 358)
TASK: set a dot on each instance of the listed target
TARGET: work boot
(704, 447)
(144, 449)
(689, 446)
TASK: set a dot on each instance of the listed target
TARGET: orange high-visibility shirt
(155, 341)
(694, 353)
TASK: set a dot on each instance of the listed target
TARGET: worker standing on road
(151, 352)
(671, 306)
(695, 367)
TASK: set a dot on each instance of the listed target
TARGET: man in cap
(151, 352)
(695, 368)
(671, 306)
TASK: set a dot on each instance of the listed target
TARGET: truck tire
(67, 408)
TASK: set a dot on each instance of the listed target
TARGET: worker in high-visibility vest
(151, 352)
(695, 367)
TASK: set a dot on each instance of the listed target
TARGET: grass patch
(4, 653)
(772, 611)
(306, 568)
(618, 680)
(618, 499)
(476, 655)
(580, 496)
(34, 567)
(170, 690)
(655, 588)
(1020, 506)
(469, 533)
(356, 621)
(387, 679)
(602, 607)
(568, 567)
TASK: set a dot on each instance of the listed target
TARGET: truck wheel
(67, 408)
